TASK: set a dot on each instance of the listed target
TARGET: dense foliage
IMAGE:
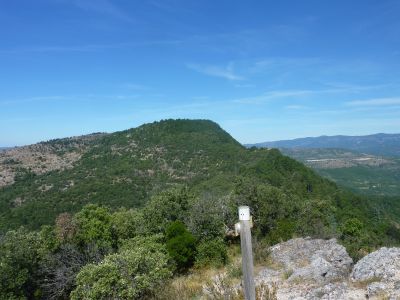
(181, 245)
(133, 272)
(155, 201)
(125, 169)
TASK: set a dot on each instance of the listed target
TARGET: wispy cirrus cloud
(287, 94)
(271, 95)
(374, 102)
(105, 7)
(279, 63)
(226, 72)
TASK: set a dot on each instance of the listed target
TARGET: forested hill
(127, 168)
(376, 144)
(120, 169)
(184, 180)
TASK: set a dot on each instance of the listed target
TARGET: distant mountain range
(376, 144)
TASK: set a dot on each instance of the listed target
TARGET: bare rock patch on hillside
(43, 157)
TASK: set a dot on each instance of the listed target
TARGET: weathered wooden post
(247, 252)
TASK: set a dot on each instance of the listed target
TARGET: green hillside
(126, 168)
(122, 169)
(70, 233)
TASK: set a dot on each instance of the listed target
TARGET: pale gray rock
(377, 289)
(313, 259)
(267, 276)
(382, 269)
(316, 271)
(382, 265)
(331, 291)
(311, 269)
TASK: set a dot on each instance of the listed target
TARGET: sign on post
(243, 227)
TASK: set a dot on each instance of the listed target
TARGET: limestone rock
(311, 269)
(377, 289)
(383, 264)
(313, 259)
(382, 270)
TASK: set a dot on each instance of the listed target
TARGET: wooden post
(247, 253)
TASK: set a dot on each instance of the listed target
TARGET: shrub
(130, 274)
(351, 228)
(164, 208)
(206, 218)
(180, 245)
(60, 269)
(211, 253)
(283, 231)
(65, 227)
(19, 258)
(93, 226)
(127, 224)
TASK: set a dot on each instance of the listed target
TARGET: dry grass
(217, 284)
(184, 287)
(266, 292)
(365, 283)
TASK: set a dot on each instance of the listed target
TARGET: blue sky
(264, 70)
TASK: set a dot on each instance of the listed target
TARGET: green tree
(19, 260)
(316, 218)
(137, 270)
(181, 245)
(269, 204)
(211, 253)
(93, 226)
(205, 218)
(166, 207)
(127, 224)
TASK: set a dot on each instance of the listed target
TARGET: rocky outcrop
(305, 268)
(315, 260)
(380, 272)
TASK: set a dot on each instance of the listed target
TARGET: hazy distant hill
(363, 173)
(366, 164)
(376, 144)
